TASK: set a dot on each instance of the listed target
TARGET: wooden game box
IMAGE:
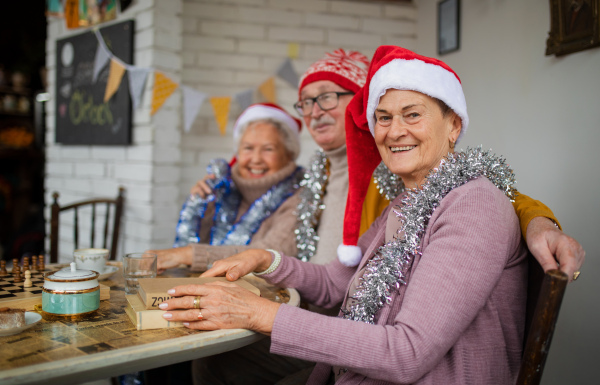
(14, 295)
(145, 319)
(153, 291)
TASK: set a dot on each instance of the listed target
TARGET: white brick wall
(81, 172)
(219, 47)
(232, 45)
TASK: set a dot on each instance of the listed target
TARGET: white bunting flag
(287, 73)
(137, 81)
(100, 61)
(244, 98)
(192, 101)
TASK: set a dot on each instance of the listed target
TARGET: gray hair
(290, 140)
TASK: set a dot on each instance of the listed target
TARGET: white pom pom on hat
(349, 255)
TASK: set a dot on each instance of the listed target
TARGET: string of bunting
(164, 87)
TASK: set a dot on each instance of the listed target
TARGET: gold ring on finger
(576, 275)
(197, 302)
(200, 318)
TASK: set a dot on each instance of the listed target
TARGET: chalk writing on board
(82, 115)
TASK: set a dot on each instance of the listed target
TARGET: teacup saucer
(31, 319)
(108, 271)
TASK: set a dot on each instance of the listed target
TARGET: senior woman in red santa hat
(247, 205)
(438, 291)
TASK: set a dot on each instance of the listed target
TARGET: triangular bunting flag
(192, 101)
(102, 57)
(137, 81)
(114, 79)
(244, 98)
(163, 88)
(221, 108)
(268, 89)
(293, 50)
(287, 73)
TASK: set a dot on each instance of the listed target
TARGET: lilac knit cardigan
(460, 319)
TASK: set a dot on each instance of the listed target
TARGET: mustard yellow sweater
(525, 207)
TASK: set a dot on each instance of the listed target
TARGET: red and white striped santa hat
(391, 68)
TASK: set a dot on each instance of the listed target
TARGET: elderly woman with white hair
(434, 292)
(248, 205)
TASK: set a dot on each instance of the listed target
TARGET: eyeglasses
(326, 101)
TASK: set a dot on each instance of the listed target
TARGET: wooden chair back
(545, 296)
(110, 229)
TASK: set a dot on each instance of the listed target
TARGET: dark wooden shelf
(15, 91)
(21, 153)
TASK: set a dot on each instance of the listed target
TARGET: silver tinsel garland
(226, 231)
(386, 271)
(188, 227)
(311, 200)
(227, 199)
(311, 205)
(389, 185)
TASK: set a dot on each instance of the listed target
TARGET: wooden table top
(108, 344)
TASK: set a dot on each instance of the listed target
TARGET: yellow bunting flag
(115, 75)
(293, 50)
(221, 108)
(163, 88)
(268, 89)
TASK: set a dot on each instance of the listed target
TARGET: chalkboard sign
(82, 116)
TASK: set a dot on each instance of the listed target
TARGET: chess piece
(27, 282)
(15, 265)
(25, 263)
(41, 266)
(34, 262)
(3, 272)
(17, 275)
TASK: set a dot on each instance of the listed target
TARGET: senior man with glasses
(325, 91)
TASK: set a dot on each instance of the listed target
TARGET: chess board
(14, 295)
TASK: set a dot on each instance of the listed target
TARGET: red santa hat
(391, 68)
(260, 111)
(348, 69)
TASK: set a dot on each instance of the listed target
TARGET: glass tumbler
(136, 266)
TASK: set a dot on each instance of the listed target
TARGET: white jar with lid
(71, 292)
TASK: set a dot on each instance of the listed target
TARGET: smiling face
(412, 135)
(326, 127)
(261, 151)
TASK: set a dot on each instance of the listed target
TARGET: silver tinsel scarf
(225, 230)
(311, 200)
(311, 205)
(386, 271)
(389, 185)
(192, 212)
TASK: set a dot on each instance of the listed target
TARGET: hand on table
(549, 244)
(201, 187)
(169, 258)
(240, 264)
(220, 305)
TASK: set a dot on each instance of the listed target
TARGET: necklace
(386, 271)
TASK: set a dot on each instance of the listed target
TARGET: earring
(451, 145)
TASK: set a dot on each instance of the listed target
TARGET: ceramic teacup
(91, 259)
